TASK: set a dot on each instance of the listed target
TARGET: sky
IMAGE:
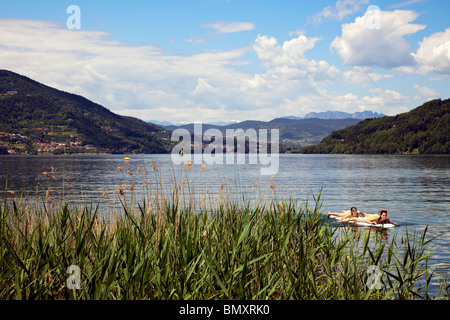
(217, 60)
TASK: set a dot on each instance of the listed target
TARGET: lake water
(414, 189)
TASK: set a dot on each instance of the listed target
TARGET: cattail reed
(179, 243)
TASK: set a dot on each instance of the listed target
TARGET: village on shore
(16, 143)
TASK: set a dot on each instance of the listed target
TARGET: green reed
(181, 243)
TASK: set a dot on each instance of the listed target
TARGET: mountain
(37, 118)
(292, 118)
(224, 123)
(160, 123)
(423, 130)
(344, 115)
(177, 125)
(292, 131)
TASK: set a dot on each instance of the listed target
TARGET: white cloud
(323, 101)
(361, 45)
(425, 93)
(116, 74)
(195, 40)
(339, 11)
(363, 76)
(433, 54)
(229, 27)
(254, 83)
(203, 87)
(291, 53)
(404, 4)
(386, 96)
(386, 101)
(288, 74)
(288, 61)
(146, 82)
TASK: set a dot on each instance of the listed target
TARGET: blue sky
(217, 60)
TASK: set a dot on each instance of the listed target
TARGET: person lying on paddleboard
(348, 214)
(380, 218)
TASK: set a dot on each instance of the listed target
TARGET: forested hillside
(423, 130)
(35, 117)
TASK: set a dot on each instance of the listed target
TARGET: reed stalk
(178, 242)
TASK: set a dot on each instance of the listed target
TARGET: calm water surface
(414, 189)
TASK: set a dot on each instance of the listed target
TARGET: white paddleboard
(365, 224)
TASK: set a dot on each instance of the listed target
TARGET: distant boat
(126, 158)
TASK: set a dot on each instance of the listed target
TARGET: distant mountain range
(344, 115)
(326, 115)
(293, 130)
(338, 115)
(300, 132)
(170, 124)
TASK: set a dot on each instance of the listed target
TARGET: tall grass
(182, 243)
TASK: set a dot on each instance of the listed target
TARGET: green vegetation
(177, 243)
(423, 130)
(48, 120)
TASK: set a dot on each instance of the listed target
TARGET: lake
(414, 188)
